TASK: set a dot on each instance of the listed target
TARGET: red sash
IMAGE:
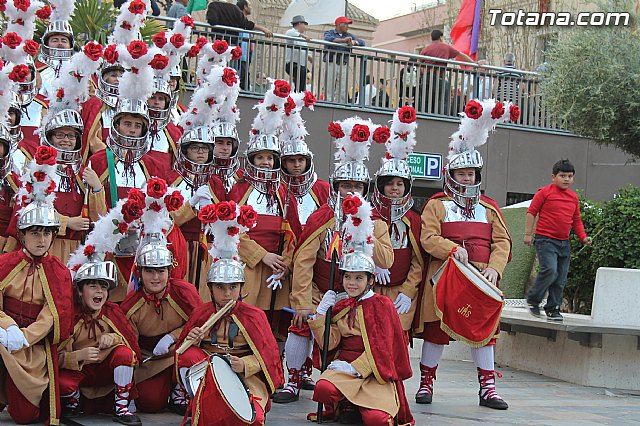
(401, 265)
(322, 276)
(351, 348)
(69, 204)
(24, 314)
(267, 233)
(475, 237)
(191, 230)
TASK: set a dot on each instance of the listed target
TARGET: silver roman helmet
(27, 89)
(392, 209)
(129, 148)
(16, 108)
(349, 171)
(107, 92)
(72, 157)
(196, 174)
(225, 168)
(266, 181)
(54, 56)
(160, 116)
(153, 252)
(357, 261)
(302, 183)
(38, 213)
(175, 74)
(99, 271)
(465, 196)
(226, 271)
(5, 160)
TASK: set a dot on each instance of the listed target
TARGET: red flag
(461, 33)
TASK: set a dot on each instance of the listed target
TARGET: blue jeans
(554, 257)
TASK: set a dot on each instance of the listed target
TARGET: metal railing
(435, 87)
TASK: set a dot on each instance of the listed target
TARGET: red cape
(320, 192)
(59, 284)
(180, 291)
(263, 344)
(91, 114)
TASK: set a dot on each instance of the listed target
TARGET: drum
(468, 305)
(222, 384)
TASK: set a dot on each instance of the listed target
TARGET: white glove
(15, 339)
(162, 347)
(383, 277)
(402, 303)
(4, 339)
(273, 283)
(343, 366)
(201, 198)
(328, 300)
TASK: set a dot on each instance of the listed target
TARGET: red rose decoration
(350, 204)
(335, 130)
(156, 188)
(473, 109)
(46, 155)
(497, 111)
(514, 113)
(233, 230)
(407, 114)
(309, 99)
(381, 134)
(31, 47)
(137, 48)
(159, 39)
(60, 93)
(201, 41)
(136, 196)
(356, 221)
(110, 54)
(177, 40)
(229, 76)
(93, 50)
(220, 46)
(137, 7)
(12, 40)
(155, 206)
(159, 62)
(282, 88)
(247, 217)
(226, 210)
(40, 176)
(131, 211)
(360, 133)
(3, 5)
(273, 108)
(22, 5)
(123, 227)
(236, 53)
(125, 25)
(173, 201)
(43, 13)
(193, 51)
(187, 21)
(289, 106)
(89, 250)
(208, 214)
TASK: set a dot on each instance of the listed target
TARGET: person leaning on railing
(338, 59)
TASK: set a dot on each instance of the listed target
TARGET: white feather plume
(40, 190)
(225, 244)
(403, 137)
(347, 149)
(128, 24)
(61, 10)
(22, 22)
(358, 228)
(6, 87)
(293, 127)
(270, 112)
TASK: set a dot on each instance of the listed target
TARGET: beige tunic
(364, 392)
(145, 321)
(439, 248)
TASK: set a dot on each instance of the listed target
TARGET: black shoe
(180, 409)
(349, 414)
(534, 310)
(70, 413)
(554, 315)
(127, 419)
(424, 398)
(284, 397)
(495, 403)
(307, 384)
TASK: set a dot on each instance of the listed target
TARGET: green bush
(516, 275)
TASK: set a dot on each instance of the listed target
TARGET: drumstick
(207, 325)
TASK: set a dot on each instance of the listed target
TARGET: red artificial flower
(159, 62)
(123, 227)
(220, 46)
(40, 176)
(273, 108)
(356, 221)
(89, 250)
(350, 204)
(233, 230)
(51, 188)
(210, 101)
(403, 135)
(360, 133)
(22, 5)
(131, 211)
(46, 155)
(208, 214)
(12, 40)
(30, 47)
(335, 130)
(137, 48)
(193, 51)
(60, 93)
(309, 99)
(289, 106)
(497, 111)
(226, 210)
(229, 76)
(236, 53)
(159, 39)
(29, 188)
(247, 217)
(173, 201)
(177, 40)
(3, 5)
(137, 7)
(136, 196)
(282, 88)
(381, 134)
(125, 25)
(110, 54)
(514, 113)
(44, 12)
(407, 114)
(155, 206)
(187, 20)
(473, 109)
(156, 188)
(93, 50)
(201, 41)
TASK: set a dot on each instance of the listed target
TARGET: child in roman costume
(241, 334)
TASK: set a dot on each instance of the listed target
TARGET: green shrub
(516, 275)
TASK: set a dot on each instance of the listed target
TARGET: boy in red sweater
(558, 210)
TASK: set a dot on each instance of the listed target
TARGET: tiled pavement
(533, 400)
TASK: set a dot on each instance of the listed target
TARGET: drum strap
(233, 333)
(112, 178)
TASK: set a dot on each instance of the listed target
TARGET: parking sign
(425, 166)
